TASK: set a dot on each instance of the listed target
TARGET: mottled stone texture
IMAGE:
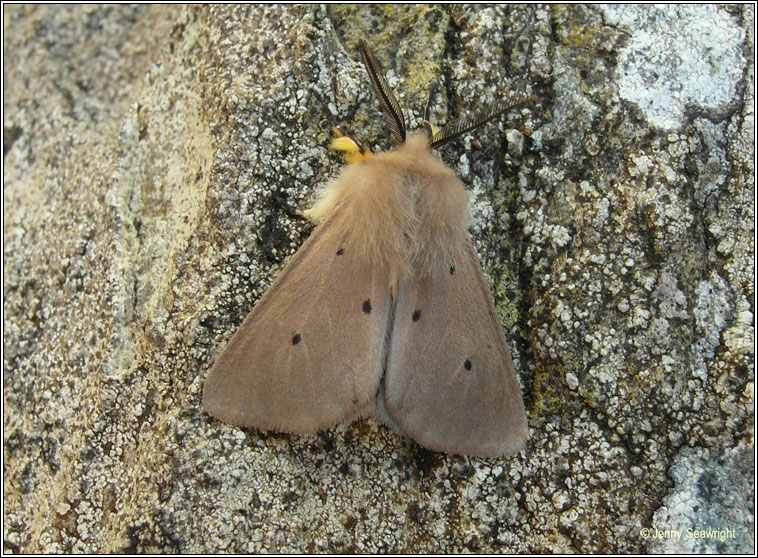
(153, 160)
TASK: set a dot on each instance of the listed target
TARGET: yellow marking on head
(350, 150)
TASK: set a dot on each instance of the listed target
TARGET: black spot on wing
(452, 270)
(296, 339)
(340, 252)
(467, 364)
(367, 306)
(416, 315)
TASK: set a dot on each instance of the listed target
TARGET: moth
(383, 311)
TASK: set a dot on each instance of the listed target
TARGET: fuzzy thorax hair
(402, 210)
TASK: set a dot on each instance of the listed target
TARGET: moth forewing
(308, 356)
(449, 382)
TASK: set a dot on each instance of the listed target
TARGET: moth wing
(309, 354)
(449, 382)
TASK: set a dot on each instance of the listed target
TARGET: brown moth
(384, 310)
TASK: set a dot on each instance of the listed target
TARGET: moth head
(393, 114)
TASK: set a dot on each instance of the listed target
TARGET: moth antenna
(461, 125)
(392, 112)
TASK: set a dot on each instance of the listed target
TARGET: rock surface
(153, 157)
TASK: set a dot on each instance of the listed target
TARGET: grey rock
(154, 161)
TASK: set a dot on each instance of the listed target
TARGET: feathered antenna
(461, 125)
(392, 112)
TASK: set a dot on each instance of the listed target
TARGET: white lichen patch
(677, 55)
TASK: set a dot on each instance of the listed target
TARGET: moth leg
(430, 128)
(281, 201)
(432, 92)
